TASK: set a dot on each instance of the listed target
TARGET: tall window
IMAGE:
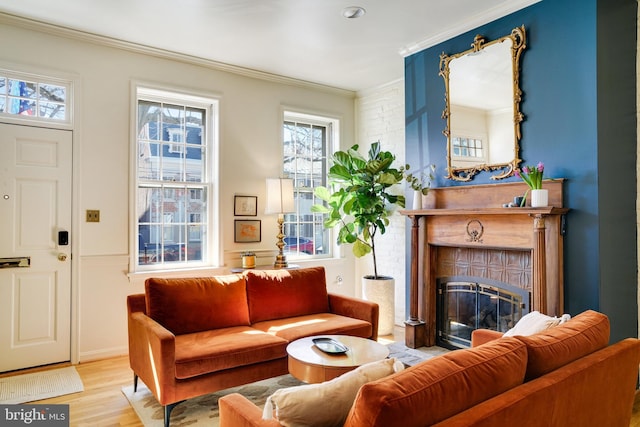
(33, 98)
(307, 142)
(174, 179)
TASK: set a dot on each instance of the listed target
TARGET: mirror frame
(518, 38)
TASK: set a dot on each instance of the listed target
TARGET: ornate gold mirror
(482, 110)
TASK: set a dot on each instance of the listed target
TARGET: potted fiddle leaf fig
(360, 205)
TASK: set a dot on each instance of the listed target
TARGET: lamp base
(281, 262)
(281, 259)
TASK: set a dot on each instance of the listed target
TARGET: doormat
(39, 385)
(202, 410)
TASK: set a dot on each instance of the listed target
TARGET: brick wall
(380, 117)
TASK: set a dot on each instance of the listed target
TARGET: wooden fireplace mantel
(473, 217)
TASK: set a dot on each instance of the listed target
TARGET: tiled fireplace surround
(466, 232)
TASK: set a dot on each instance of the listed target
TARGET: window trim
(333, 124)
(214, 239)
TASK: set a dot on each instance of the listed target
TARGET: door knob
(62, 257)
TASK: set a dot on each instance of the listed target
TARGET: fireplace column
(539, 265)
(415, 331)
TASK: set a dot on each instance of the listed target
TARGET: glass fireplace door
(466, 303)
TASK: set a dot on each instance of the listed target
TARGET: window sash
(174, 212)
(307, 142)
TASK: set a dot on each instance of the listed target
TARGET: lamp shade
(279, 196)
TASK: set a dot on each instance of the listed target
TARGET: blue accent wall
(578, 78)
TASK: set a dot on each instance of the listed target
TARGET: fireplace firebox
(469, 303)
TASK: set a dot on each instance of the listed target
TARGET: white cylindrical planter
(417, 199)
(382, 292)
(539, 198)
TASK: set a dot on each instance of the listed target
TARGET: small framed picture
(245, 205)
(247, 230)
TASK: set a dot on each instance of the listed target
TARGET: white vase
(539, 198)
(382, 292)
(417, 199)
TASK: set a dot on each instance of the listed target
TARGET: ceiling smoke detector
(353, 12)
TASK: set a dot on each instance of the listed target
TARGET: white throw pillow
(535, 322)
(325, 404)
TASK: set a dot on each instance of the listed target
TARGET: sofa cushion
(293, 328)
(210, 351)
(438, 388)
(187, 305)
(326, 404)
(277, 294)
(555, 347)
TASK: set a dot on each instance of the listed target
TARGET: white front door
(35, 265)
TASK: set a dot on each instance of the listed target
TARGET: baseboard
(104, 353)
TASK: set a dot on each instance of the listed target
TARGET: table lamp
(280, 201)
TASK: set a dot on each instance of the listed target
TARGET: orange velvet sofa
(193, 336)
(568, 375)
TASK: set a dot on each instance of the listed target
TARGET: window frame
(213, 237)
(332, 124)
(67, 83)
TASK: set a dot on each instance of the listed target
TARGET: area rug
(39, 385)
(203, 410)
(411, 356)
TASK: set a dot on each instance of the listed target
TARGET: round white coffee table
(310, 364)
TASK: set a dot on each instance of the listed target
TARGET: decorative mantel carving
(471, 217)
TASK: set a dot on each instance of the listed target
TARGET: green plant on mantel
(422, 182)
(361, 202)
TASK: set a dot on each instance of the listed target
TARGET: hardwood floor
(102, 403)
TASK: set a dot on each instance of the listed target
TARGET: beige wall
(250, 151)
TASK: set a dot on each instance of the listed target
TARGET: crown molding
(61, 31)
(476, 21)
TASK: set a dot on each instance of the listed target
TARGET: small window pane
(196, 206)
(194, 121)
(52, 110)
(53, 93)
(148, 121)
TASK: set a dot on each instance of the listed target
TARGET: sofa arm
(356, 308)
(481, 336)
(237, 411)
(152, 355)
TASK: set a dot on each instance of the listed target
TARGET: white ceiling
(303, 39)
